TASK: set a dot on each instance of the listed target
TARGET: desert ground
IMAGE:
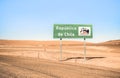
(42, 59)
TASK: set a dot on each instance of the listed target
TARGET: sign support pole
(84, 49)
(60, 48)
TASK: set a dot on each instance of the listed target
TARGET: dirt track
(22, 67)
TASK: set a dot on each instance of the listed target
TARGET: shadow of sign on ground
(87, 58)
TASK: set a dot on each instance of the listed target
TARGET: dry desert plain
(41, 59)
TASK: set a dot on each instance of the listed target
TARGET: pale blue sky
(34, 19)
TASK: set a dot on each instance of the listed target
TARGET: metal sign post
(60, 49)
(84, 48)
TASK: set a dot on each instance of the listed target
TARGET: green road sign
(72, 31)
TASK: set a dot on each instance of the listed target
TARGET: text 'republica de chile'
(65, 30)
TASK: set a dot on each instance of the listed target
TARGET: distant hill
(111, 42)
(52, 42)
(31, 42)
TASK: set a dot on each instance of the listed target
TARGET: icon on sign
(84, 31)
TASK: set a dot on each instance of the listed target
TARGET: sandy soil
(22, 67)
(41, 59)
